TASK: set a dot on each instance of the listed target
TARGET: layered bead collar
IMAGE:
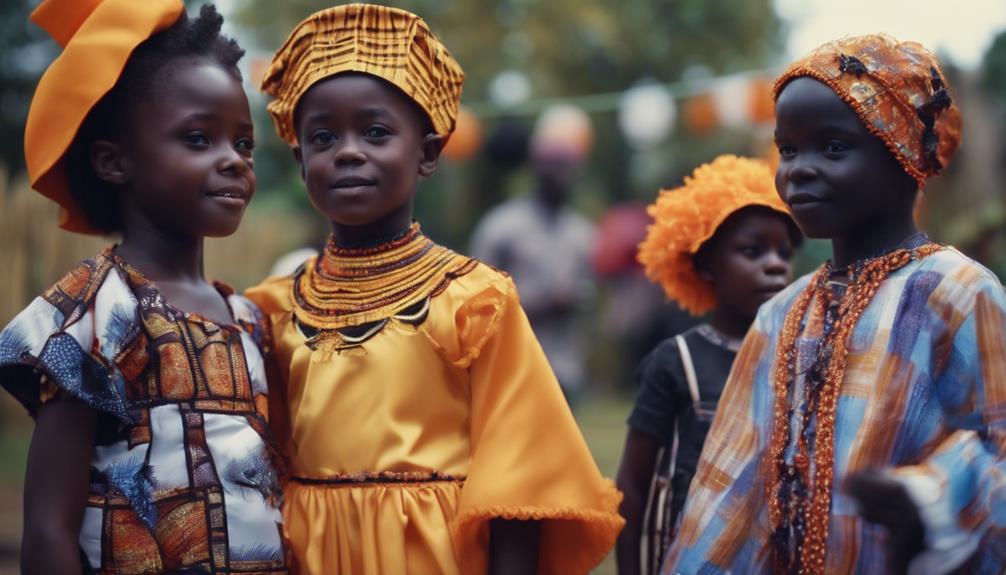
(356, 291)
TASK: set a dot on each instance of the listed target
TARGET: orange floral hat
(392, 44)
(898, 91)
(97, 37)
(686, 217)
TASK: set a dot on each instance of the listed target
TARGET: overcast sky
(964, 29)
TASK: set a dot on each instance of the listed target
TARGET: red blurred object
(620, 230)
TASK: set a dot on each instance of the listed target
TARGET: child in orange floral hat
(151, 452)
(721, 243)
(426, 431)
(863, 427)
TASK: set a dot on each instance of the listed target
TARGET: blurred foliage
(570, 47)
(25, 51)
(567, 48)
(994, 68)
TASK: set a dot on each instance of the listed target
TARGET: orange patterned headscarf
(898, 91)
(392, 44)
(686, 217)
(97, 38)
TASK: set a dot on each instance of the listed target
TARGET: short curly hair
(685, 218)
(188, 38)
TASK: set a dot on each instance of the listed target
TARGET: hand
(885, 501)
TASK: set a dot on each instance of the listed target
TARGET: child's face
(839, 180)
(362, 150)
(186, 154)
(750, 260)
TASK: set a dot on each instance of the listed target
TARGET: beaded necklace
(799, 497)
(718, 338)
(358, 290)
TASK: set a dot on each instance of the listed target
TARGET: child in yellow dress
(426, 431)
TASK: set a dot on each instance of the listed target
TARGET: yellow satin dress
(401, 449)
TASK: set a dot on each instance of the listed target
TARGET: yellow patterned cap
(392, 44)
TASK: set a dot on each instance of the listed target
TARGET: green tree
(25, 51)
(567, 48)
(994, 68)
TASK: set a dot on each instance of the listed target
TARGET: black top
(663, 399)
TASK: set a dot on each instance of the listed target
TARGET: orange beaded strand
(349, 287)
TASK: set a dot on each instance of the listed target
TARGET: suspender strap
(686, 362)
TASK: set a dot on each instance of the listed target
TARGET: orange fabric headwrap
(97, 38)
(898, 91)
(392, 44)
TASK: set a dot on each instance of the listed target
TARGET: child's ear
(298, 155)
(701, 262)
(108, 162)
(433, 144)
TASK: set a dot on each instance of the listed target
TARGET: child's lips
(350, 182)
(230, 194)
(771, 289)
(805, 199)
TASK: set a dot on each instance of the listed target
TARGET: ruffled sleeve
(272, 298)
(63, 341)
(529, 460)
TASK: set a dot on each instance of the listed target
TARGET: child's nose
(801, 170)
(349, 152)
(232, 162)
(775, 264)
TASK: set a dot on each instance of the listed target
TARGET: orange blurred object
(700, 114)
(466, 139)
(761, 108)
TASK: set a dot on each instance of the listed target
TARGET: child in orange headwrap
(426, 432)
(722, 242)
(151, 451)
(863, 427)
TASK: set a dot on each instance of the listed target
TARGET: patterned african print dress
(181, 473)
(923, 397)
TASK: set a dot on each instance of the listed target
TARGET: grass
(602, 421)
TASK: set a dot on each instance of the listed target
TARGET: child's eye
(245, 145)
(750, 251)
(322, 137)
(377, 132)
(836, 147)
(196, 139)
(786, 151)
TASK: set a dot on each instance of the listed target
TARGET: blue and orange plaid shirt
(924, 394)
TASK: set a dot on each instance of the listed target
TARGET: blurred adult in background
(635, 315)
(545, 245)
